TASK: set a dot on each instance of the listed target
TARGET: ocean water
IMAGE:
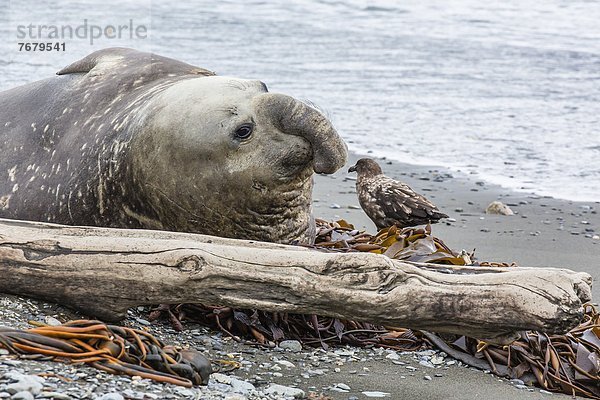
(507, 91)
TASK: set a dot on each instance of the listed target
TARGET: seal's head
(223, 156)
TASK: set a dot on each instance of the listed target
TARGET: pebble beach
(542, 232)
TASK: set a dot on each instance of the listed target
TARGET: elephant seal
(128, 139)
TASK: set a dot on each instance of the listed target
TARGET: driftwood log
(103, 272)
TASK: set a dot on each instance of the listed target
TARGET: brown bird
(389, 202)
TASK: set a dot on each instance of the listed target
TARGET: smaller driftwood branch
(105, 271)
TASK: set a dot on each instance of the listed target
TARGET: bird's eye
(244, 131)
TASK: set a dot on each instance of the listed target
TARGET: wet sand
(543, 232)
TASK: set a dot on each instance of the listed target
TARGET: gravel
(287, 371)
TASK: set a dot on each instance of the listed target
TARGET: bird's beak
(352, 168)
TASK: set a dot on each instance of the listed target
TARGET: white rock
(286, 363)
(344, 352)
(51, 321)
(342, 386)
(235, 396)
(285, 391)
(376, 394)
(56, 396)
(521, 387)
(437, 359)
(292, 345)
(393, 356)
(497, 207)
(24, 395)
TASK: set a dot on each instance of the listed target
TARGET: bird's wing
(400, 202)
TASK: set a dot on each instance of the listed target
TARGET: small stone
(354, 207)
(335, 206)
(56, 396)
(393, 356)
(408, 367)
(51, 321)
(25, 383)
(458, 209)
(315, 372)
(426, 353)
(24, 395)
(185, 392)
(521, 387)
(285, 363)
(542, 391)
(243, 387)
(375, 394)
(291, 345)
(221, 378)
(437, 359)
(517, 382)
(596, 237)
(143, 321)
(4, 352)
(344, 352)
(285, 391)
(427, 377)
(342, 386)
(498, 208)
(235, 396)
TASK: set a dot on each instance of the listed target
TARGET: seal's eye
(244, 131)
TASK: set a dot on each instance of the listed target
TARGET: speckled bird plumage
(390, 202)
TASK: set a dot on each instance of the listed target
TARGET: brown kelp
(110, 348)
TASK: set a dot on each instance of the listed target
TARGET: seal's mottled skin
(128, 139)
